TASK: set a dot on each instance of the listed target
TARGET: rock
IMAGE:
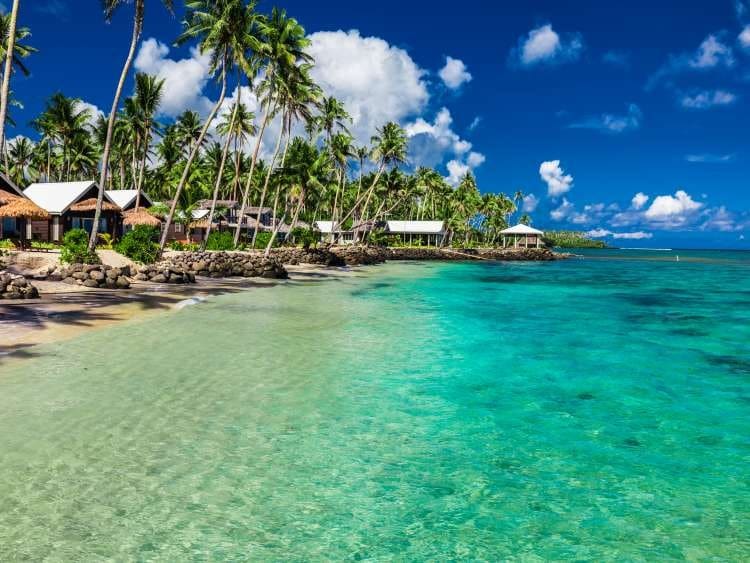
(79, 275)
(159, 278)
(96, 275)
(141, 277)
(123, 283)
(90, 283)
(70, 280)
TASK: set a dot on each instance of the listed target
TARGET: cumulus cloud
(744, 37)
(430, 143)
(709, 158)
(454, 74)
(94, 111)
(184, 79)
(530, 203)
(672, 210)
(543, 45)
(639, 200)
(611, 123)
(721, 219)
(558, 182)
(376, 82)
(603, 233)
(712, 53)
(561, 213)
(707, 99)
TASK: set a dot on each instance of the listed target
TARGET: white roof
(123, 198)
(416, 227)
(200, 213)
(325, 226)
(56, 197)
(521, 229)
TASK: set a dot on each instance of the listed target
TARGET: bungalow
(9, 226)
(327, 229)
(71, 205)
(428, 233)
(126, 199)
(522, 236)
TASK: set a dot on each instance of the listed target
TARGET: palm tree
(227, 30)
(333, 115)
(21, 153)
(148, 96)
(14, 53)
(110, 7)
(240, 127)
(282, 49)
(188, 130)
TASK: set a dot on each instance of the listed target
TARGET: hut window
(76, 223)
(177, 228)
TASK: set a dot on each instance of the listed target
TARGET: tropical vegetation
(297, 156)
(572, 239)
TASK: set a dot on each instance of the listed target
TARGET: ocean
(591, 409)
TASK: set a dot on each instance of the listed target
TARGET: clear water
(594, 409)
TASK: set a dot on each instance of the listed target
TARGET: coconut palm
(333, 116)
(239, 127)
(148, 97)
(282, 48)
(188, 129)
(226, 30)
(21, 154)
(14, 52)
(110, 7)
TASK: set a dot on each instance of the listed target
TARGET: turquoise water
(593, 409)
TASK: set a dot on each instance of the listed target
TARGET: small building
(9, 226)
(427, 233)
(126, 199)
(328, 229)
(71, 205)
(522, 236)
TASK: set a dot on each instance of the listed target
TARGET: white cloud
(456, 171)
(530, 203)
(475, 123)
(475, 159)
(94, 112)
(707, 99)
(709, 158)
(744, 37)
(602, 233)
(454, 73)
(554, 176)
(610, 123)
(639, 200)
(543, 45)
(711, 54)
(563, 212)
(672, 210)
(720, 219)
(184, 79)
(616, 58)
(375, 81)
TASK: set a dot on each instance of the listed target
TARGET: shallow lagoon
(597, 408)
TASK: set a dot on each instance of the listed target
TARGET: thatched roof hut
(20, 208)
(6, 197)
(139, 217)
(90, 205)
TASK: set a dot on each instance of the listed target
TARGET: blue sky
(626, 120)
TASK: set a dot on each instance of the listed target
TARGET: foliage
(263, 238)
(139, 244)
(7, 244)
(380, 237)
(571, 239)
(106, 241)
(182, 246)
(42, 245)
(305, 237)
(75, 248)
(220, 241)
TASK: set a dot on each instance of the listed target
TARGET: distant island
(572, 239)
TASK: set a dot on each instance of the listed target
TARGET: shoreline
(64, 312)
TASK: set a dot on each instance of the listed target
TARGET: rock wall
(365, 255)
(92, 275)
(164, 273)
(225, 264)
(13, 286)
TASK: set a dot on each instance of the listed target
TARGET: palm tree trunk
(137, 27)
(246, 192)
(142, 171)
(6, 75)
(220, 175)
(193, 154)
(367, 193)
(267, 180)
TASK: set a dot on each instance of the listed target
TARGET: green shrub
(106, 241)
(139, 244)
(305, 237)
(183, 246)
(42, 245)
(7, 244)
(220, 241)
(75, 248)
(261, 241)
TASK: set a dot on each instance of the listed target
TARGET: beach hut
(139, 216)
(23, 212)
(8, 192)
(71, 205)
(522, 236)
(328, 229)
(429, 233)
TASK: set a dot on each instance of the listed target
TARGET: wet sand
(65, 311)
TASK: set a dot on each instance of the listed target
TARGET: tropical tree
(22, 160)
(110, 7)
(148, 97)
(226, 30)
